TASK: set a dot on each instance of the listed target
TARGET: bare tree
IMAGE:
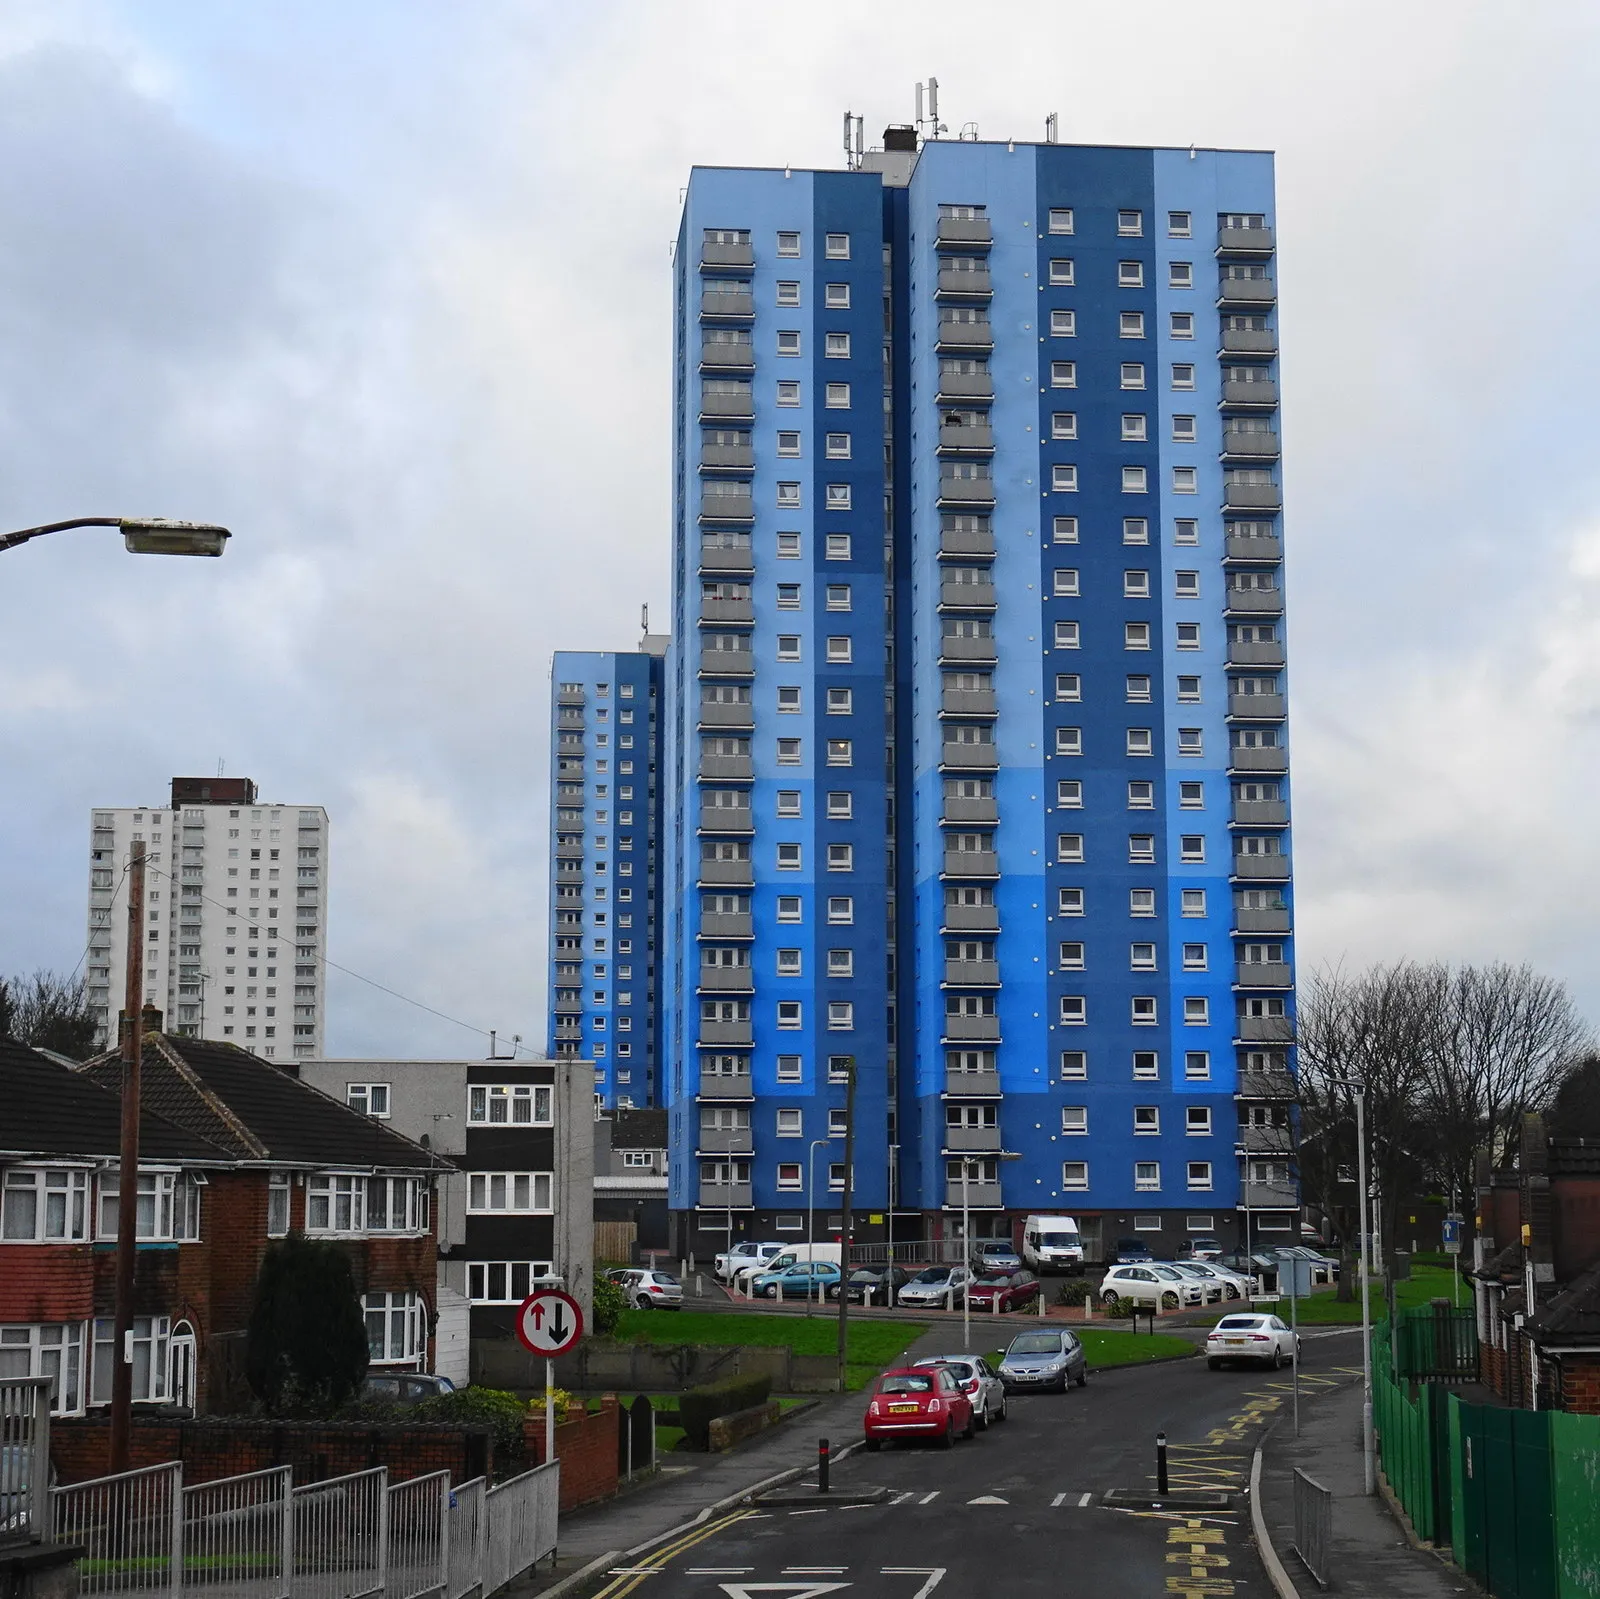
(50, 1012)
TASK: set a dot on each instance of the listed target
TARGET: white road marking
(795, 1590)
(988, 1499)
(820, 1511)
(636, 1571)
(813, 1571)
(717, 1571)
(928, 1499)
(901, 1497)
(1059, 1499)
(1083, 1503)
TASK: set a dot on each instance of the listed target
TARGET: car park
(1052, 1243)
(1004, 1290)
(804, 1279)
(1132, 1251)
(1233, 1285)
(1211, 1286)
(1262, 1339)
(1206, 1249)
(731, 1262)
(1158, 1286)
(979, 1382)
(789, 1255)
(872, 1285)
(995, 1254)
(1042, 1360)
(918, 1402)
(935, 1286)
(654, 1290)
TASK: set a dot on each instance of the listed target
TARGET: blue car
(813, 1277)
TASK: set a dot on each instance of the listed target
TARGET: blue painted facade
(604, 831)
(1067, 882)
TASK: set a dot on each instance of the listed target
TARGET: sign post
(1452, 1246)
(549, 1323)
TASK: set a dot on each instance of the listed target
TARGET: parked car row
(1173, 1284)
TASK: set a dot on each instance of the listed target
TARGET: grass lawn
(872, 1343)
(1105, 1347)
(1324, 1309)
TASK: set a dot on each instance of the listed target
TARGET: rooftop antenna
(221, 765)
(937, 127)
(861, 140)
(1051, 125)
(919, 110)
(644, 619)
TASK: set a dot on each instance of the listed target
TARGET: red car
(918, 1402)
(1004, 1290)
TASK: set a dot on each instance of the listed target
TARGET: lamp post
(1369, 1464)
(141, 536)
(811, 1201)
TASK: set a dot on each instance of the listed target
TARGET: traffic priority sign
(549, 1322)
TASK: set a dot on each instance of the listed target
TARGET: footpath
(1370, 1557)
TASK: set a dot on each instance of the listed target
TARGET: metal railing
(24, 1459)
(340, 1530)
(131, 1530)
(521, 1517)
(1313, 1524)
(469, 1523)
(418, 1559)
(238, 1536)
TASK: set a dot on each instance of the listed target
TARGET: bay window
(44, 1205)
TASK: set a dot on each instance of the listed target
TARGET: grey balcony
(964, 230)
(738, 406)
(1246, 294)
(1262, 392)
(979, 1196)
(1237, 446)
(726, 1196)
(952, 650)
(726, 924)
(1244, 241)
(1260, 921)
(1260, 813)
(738, 1086)
(569, 1007)
(1249, 341)
(1252, 1140)
(1265, 974)
(1265, 1030)
(967, 596)
(727, 457)
(1252, 497)
(966, 436)
(971, 863)
(716, 558)
(567, 1029)
(956, 282)
(731, 304)
(725, 1033)
(728, 663)
(1268, 1196)
(970, 808)
(973, 974)
(954, 336)
(969, 757)
(958, 541)
(726, 980)
(1257, 707)
(732, 767)
(1253, 602)
(972, 1029)
(1262, 868)
(720, 355)
(726, 255)
(971, 1085)
(727, 874)
(1253, 547)
(971, 1140)
(1268, 652)
(727, 507)
(1241, 759)
(965, 386)
(570, 696)
(715, 714)
(1272, 1083)
(971, 919)
(726, 610)
(725, 1141)
(569, 852)
(967, 491)
(726, 819)
(968, 702)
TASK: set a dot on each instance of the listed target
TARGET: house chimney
(150, 1019)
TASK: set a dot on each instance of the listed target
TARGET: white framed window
(836, 446)
(1069, 956)
(1146, 1065)
(1142, 957)
(1179, 226)
(1067, 635)
(370, 1099)
(841, 1016)
(1063, 324)
(1069, 686)
(790, 1122)
(788, 858)
(789, 963)
(1132, 374)
(1140, 741)
(1183, 430)
(1064, 479)
(1188, 635)
(1074, 1175)
(1130, 224)
(836, 397)
(511, 1104)
(1194, 957)
(788, 293)
(841, 752)
(397, 1205)
(1069, 741)
(788, 341)
(42, 1205)
(1199, 1176)
(1130, 274)
(1141, 901)
(149, 1339)
(163, 1208)
(1183, 374)
(1061, 219)
(1069, 848)
(1196, 1011)
(1142, 848)
(1192, 902)
(1134, 428)
(1074, 1010)
(788, 244)
(1063, 424)
(1197, 1065)
(1064, 530)
(1069, 902)
(1062, 272)
(790, 1015)
(841, 857)
(1135, 480)
(836, 246)
(1186, 585)
(790, 1175)
(841, 910)
(506, 1282)
(789, 1069)
(278, 1205)
(396, 1328)
(1197, 1121)
(838, 649)
(1147, 1180)
(1147, 1121)
(1075, 1121)
(1063, 374)
(1192, 847)
(1136, 635)
(838, 596)
(1130, 324)
(1185, 480)
(523, 1193)
(841, 963)
(1141, 796)
(836, 346)
(1181, 325)
(788, 496)
(1143, 1011)
(1074, 1065)
(1135, 530)
(1180, 274)
(48, 1349)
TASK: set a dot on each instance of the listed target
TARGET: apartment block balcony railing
(570, 696)
(720, 561)
(964, 336)
(1252, 497)
(1247, 920)
(726, 874)
(971, 919)
(969, 758)
(968, 702)
(726, 1196)
(726, 768)
(1274, 1083)
(965, 386)
(1246, 294)
(728, 663)
(1264, 652)
(966, 542)
(738, 405)
(1265, 1030)
(967, 493)
(972, 1029)
(1253, 602)
(725, 507)
(1268, 1196)
(1260, 813)
(1264, 974)
(1238, 446)
(971, 1085)
(726, 819)
(1262, 868)
(713, 713)
(964, 231)
(737, 1033)
(971, 1140)
(979, 1196)
(726, 610)
(569, 1007)
(720, 355)
(726, 924)
(725, 1141)
(1244, 241)
(955, 283)
(972, 974)
(1249, 341)
(726, 305)
(977, 650)
(966, 596)
(726, 980)
(1261, 393)
(966, 437)
(726, 255)
(1253, 1140)
(970, 808)
(1259, 707)
(727, 458)
(1253, 547)
(569, 852)
(971, 863)
(726, 1086)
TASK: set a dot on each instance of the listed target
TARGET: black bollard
(1161, 1463)
(822, 1465)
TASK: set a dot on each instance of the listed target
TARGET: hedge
(699, 1407)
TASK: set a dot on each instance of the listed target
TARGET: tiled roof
(52, 1109)
(257, 1111)
(1573, 1314)
(639, 1129)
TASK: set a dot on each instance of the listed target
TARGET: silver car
(654, 1290)
(979, 1382)
(938, 1285)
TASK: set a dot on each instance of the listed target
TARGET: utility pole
(844, 1233)
(128, 1175)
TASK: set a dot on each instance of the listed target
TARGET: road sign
(549, 1322)
(1452, 1235)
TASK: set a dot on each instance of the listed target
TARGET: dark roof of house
(256, 1111)
(1504, 1266)
(1571, 1315)
(1574, 1157)
(53, 1109)
(639, 1129)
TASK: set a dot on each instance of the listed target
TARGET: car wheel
(1232, 1289)
(947, 1439)
(980, 1419)
(772, 1290)
(1109, 1299)
(1169, 1300)
(643, 1302)
(1277, 1358)
(972, 1424)
(1082, 1378)
(833, 1293)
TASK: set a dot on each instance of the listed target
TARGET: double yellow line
(618, 1587)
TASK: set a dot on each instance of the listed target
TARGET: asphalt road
(1018, 1511)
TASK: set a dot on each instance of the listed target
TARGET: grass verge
(872, 1344)
(1325, 1309)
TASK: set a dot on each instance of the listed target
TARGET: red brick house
(234, 1152)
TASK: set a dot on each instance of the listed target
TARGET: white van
(791, 1254)
(1052, 1243)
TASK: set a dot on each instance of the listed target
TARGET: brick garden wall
(587, 1450)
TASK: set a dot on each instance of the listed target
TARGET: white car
(936, 1286)
(732, 1261)
(1233, 1286)
(1159, 1286)
(1264, 1339)
(979, 1383)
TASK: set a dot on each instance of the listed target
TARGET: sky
(384, 287)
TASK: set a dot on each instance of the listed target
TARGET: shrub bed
(699, 1407)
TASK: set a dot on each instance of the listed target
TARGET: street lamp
(966, 1240)
(1369, 1465)
(811, 1203)
(143, 535)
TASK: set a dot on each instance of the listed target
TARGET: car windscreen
(1036, 1344)
(1238, 1323)
(865, 1275)
(996, 1279)
(666, 1277)
(906, 1385)
(934, 1274)
(1169, 1272)
(961, 1370)
(1058, 1240)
